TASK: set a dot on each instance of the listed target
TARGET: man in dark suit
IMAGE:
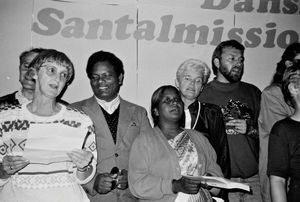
(117, 123)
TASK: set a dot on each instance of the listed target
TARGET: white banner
(151, 37)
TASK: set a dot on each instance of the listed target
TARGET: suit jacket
(132, 121)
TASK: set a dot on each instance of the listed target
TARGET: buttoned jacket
(132, 121)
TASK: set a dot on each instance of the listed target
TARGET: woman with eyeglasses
(35, 164)
(166, 164)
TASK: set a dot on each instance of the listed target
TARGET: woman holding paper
(166, 165)
(46, 149)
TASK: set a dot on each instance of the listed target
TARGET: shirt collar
(20, 97)
(111, 106)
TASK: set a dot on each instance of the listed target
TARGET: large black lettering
(290, 6)
(234, 34)
(244, 6)
(263, 6)
(270, 35)
(209, 4)
(94, 26)
(165, 28)
(190, 31)
(75, 30)
(52, 25)
(146, 33)
(253, 36)
(283, 36)
(218, 32)
(122, 24)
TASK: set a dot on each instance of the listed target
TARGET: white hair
(195, 64)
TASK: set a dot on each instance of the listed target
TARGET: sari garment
(188, 161)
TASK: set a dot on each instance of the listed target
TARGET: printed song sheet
(221, 182)
(49, 143)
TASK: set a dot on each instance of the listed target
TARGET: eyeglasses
(51, 71)
(171, 100)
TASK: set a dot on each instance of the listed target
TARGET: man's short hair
(219, 50)
(103, 56)
(27, 52)
(196, 65)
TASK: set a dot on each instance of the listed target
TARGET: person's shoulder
(272, 89)
(9, 99)
(71, 109)
(210, 107)
(250, 86)
(148, 136)
(282, 124)
(209, 84)
(79, 104)
(131, 105)
(10, 95)
(10, 110)
(77, 115)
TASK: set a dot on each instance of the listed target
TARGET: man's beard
(234, 75)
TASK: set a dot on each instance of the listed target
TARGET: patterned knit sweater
(15, 122)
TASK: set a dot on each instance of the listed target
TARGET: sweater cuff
(166, 186)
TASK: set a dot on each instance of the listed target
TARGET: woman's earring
(156, 112)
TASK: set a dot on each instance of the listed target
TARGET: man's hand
(103, 183)
(239, 124)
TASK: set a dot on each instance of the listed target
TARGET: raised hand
(81, 158)
(239, 124)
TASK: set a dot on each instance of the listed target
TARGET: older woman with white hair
(207, 118)
(30, 169)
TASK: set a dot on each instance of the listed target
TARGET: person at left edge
(33, 180)
(117, 123)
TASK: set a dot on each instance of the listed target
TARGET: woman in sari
(39, 175)
(165, 165)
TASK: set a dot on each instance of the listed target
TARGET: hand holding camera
(106, 182)
(120, 178)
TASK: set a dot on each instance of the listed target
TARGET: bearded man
(240, 104)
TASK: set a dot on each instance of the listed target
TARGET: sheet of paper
(221, 182)
(48, 143)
